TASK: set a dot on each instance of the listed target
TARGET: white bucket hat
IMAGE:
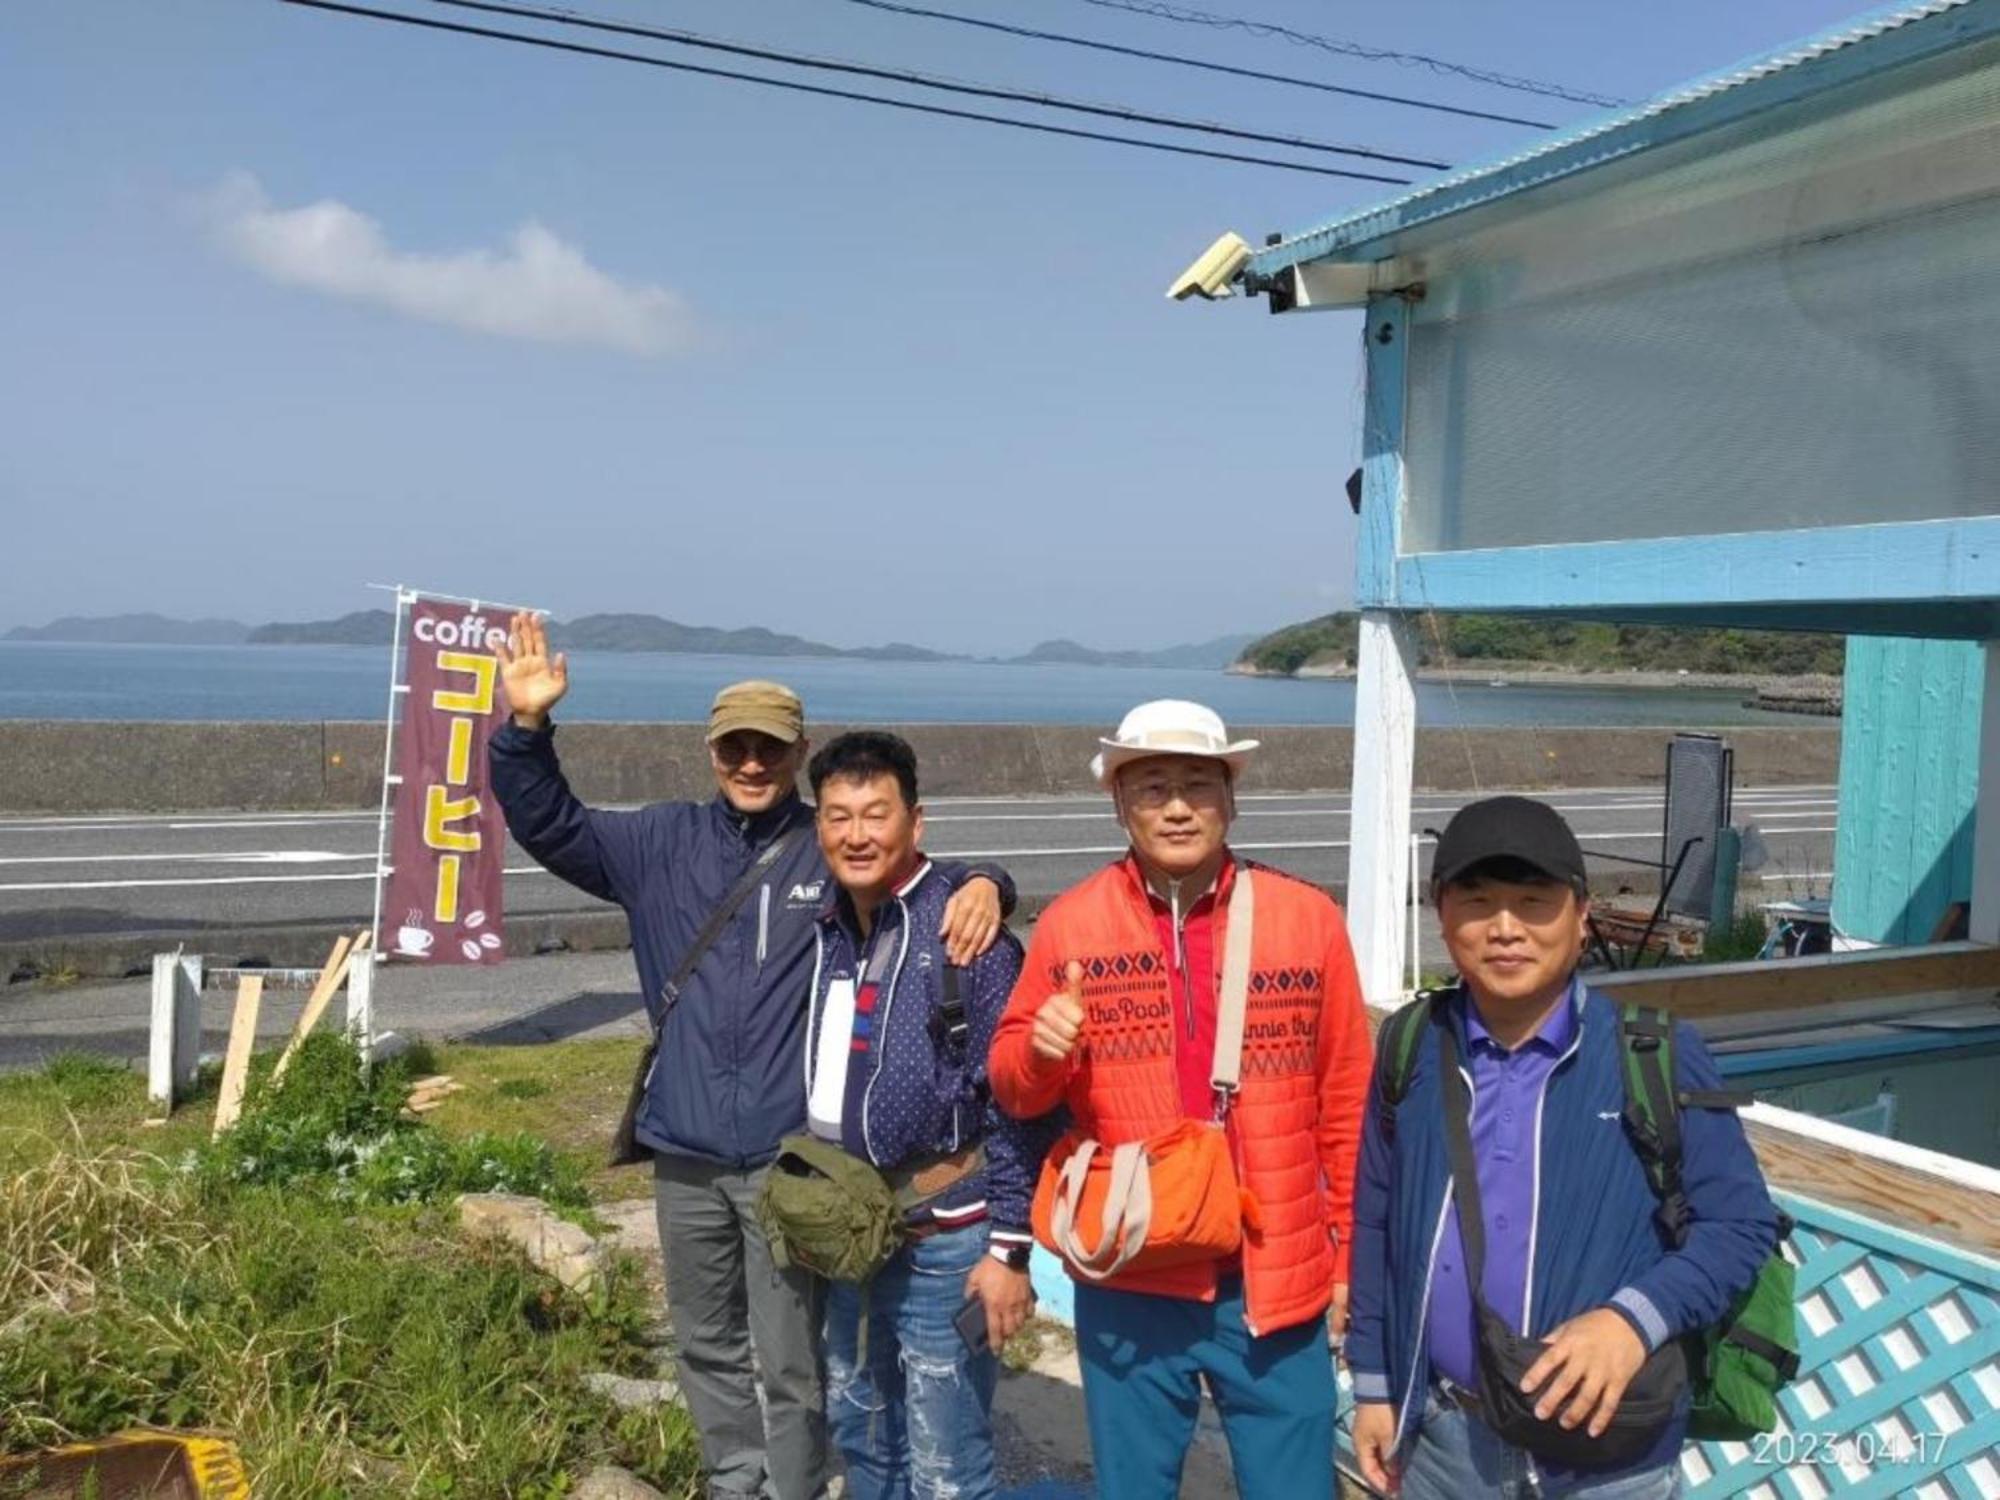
(1169, 726)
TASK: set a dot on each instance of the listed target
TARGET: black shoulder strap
(719, 918)
(954, 1031)
(1464, 1168)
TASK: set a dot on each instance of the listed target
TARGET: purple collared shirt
(1506, 1102)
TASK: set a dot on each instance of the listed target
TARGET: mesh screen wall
(1794, 330)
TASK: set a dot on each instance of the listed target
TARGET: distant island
(1219, 652)
(133, 630)
(602, 632)
(1325, 647)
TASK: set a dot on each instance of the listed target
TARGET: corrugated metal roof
(1775, 78)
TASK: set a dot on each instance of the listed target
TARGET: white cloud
(539, 286)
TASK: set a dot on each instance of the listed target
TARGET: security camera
(1210, 276)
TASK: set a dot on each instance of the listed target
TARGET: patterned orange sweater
(1296, 1125)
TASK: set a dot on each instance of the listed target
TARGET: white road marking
(126, 885)
(212, 857)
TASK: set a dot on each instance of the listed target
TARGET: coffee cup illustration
(413, 937)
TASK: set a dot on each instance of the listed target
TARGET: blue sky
(599, 337)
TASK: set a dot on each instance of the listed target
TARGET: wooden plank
(1711, 990)
(330, 977)
(1892, 1192)
(242, 1037)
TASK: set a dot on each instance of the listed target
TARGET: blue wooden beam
(1387, 337)
(1942, 576)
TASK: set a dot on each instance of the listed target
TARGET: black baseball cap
(1518, 828)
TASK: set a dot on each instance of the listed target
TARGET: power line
(1160, 10)
(678, 38)
(1205, 64)
(820, 90)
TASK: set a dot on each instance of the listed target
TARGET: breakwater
(75, 766)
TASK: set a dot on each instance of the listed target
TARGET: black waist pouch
(1505, 1356)
(1643, 1411)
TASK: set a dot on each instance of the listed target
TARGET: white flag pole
(397, 689)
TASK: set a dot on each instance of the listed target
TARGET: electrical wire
(428, 23)
(1187, 16)
(678, 38)
(1205, 64)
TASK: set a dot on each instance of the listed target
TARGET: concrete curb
(49, 766)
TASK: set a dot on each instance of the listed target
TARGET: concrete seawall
(75, 766)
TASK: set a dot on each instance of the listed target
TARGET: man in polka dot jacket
(896, 1048)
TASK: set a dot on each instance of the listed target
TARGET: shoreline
(1515, 674)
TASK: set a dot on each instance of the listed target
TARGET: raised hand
(534, 681)
(1059, 1023)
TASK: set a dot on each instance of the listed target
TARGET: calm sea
(42, 681)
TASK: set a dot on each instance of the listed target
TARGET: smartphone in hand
(970, 1320)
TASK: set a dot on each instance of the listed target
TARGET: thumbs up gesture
(1059, 1023)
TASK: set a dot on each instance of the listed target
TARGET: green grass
(302, 1287)
(1740, 941)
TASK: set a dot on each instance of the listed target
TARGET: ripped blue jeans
(916, 1423)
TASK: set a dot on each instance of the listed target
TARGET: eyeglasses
(1151, 793)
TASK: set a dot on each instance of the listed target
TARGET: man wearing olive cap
(728, 1080)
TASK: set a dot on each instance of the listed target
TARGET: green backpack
(1739, 1364)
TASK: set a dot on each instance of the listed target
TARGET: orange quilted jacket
(1296, 1124)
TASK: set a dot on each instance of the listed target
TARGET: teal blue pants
(1145, 1360)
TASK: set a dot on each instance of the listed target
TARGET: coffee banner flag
(442, 905)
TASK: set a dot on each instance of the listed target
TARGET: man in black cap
(1572, 1256)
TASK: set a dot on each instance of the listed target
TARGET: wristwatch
(1011, 1254)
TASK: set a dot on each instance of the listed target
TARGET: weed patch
(300, 1284)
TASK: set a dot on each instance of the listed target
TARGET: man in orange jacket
(1115, 1015)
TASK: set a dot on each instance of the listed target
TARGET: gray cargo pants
(724, 1298)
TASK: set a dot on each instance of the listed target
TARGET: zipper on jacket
(880, 1032)
(812, 1008)
(763, 921)
(1423, 1314)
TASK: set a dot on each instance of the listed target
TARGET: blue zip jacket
(912, 1095)
(1593, 1239)
(726, 1087)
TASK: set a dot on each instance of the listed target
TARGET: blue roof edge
(1888, 37)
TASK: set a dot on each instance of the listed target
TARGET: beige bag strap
(1128, 1210)
(1128, 1198)
(1234, 999)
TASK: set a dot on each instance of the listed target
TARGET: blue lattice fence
(1899, 1380)
(1899, 1377)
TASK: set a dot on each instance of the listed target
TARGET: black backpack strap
(954, 1031)
(1652, 1110)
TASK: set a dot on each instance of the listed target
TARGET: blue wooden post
(1385, 703)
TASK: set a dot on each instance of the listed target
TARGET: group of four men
(809, 970)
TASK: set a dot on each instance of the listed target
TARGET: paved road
(126, 874)
(183, 874)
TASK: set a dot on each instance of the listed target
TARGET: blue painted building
(1732, 358)
(1909, 785)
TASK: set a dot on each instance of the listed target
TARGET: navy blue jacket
(726, 1087)
(1593, 1239)
(911, 1095)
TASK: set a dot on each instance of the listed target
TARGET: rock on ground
(609, 1482)
(561, 1249)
